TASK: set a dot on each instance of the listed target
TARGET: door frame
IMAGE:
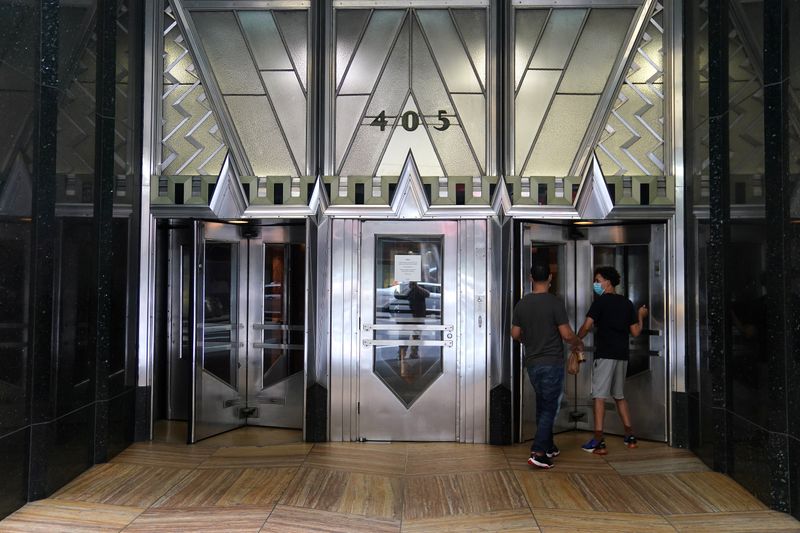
(579, 251)
(471, 329)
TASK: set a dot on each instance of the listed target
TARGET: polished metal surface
(427, 406)
(639, 253)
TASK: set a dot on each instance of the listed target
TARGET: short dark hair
(540, 271)
(609, 273)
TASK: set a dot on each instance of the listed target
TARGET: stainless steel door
(219, 378)
(276, 326)
(408, 385)
(249, 346)
(638, 252)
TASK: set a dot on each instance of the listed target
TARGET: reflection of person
(614, 317)
(416, 297)
(540, 323)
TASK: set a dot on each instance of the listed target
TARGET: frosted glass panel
(227, 53)
(348, 115)
(262, 34)
(372, 52)
(472, 109)
(558, 38)
(294, 29)
(392, 88)
(472, 25)
(363, 157)
(290, 105)
(428, 85)
(531, 104)
(561, 135)
(597, 51)
(260, 136)
(455, 154)
(448, 51)
(529, 25)
(349, 25)
(417, 142)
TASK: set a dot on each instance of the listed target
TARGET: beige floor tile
(723, 493)
(253, 436)
(60, 515)
(750, 522)
(242, 519)
(435, 458)
(217, 487)
(388, 459)
(661, 465)
(371, 495)
(552, 490)
(163, 454)
(122, 484)
(460, 494)
(514, 520)
(669, 495)
(285, 519)
(568, 521)
(278, 455)
(611, 493)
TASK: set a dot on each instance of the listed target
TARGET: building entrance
(638, 252)
(236, 327)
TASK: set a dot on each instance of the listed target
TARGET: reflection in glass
(408, 309)
(220, 320)
(284, 311)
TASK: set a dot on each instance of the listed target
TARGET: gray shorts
(608, 378)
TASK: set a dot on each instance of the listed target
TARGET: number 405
(410, 120)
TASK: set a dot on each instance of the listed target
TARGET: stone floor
(257, 479)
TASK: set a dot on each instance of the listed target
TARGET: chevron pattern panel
(191, 142)
(410, 81)
(632, 142)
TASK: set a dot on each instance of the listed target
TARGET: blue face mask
(598, 288)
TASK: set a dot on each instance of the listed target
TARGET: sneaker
(542, 461)
(553, 452)
(595, 446)
(630, 441)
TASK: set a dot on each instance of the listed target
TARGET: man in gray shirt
(540, 323)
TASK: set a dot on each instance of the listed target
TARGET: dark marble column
(777, 202)
(719, 207)
(103, 212)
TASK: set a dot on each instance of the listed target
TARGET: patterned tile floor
(257, 479)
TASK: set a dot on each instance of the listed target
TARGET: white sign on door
(407, 268)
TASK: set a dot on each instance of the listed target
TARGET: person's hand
(643, 312)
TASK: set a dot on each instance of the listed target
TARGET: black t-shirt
(613, 315)
(539, 315)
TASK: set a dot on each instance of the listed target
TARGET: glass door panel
(408, 314)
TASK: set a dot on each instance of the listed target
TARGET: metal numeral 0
(410, 121)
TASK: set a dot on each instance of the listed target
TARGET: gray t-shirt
(539, 315)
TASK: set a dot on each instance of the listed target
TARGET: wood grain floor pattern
(269, 481)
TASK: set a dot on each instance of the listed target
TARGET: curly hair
(609, 273)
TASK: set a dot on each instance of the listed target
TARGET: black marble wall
(68, 160)
(742, 131)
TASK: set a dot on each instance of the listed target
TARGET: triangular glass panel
(349, 27)
(371, 54)
(290, 105)
(472, 26)
(405, 140)
(293, 25)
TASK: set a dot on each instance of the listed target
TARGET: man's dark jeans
(548, 382)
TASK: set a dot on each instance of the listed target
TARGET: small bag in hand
(574, 362)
